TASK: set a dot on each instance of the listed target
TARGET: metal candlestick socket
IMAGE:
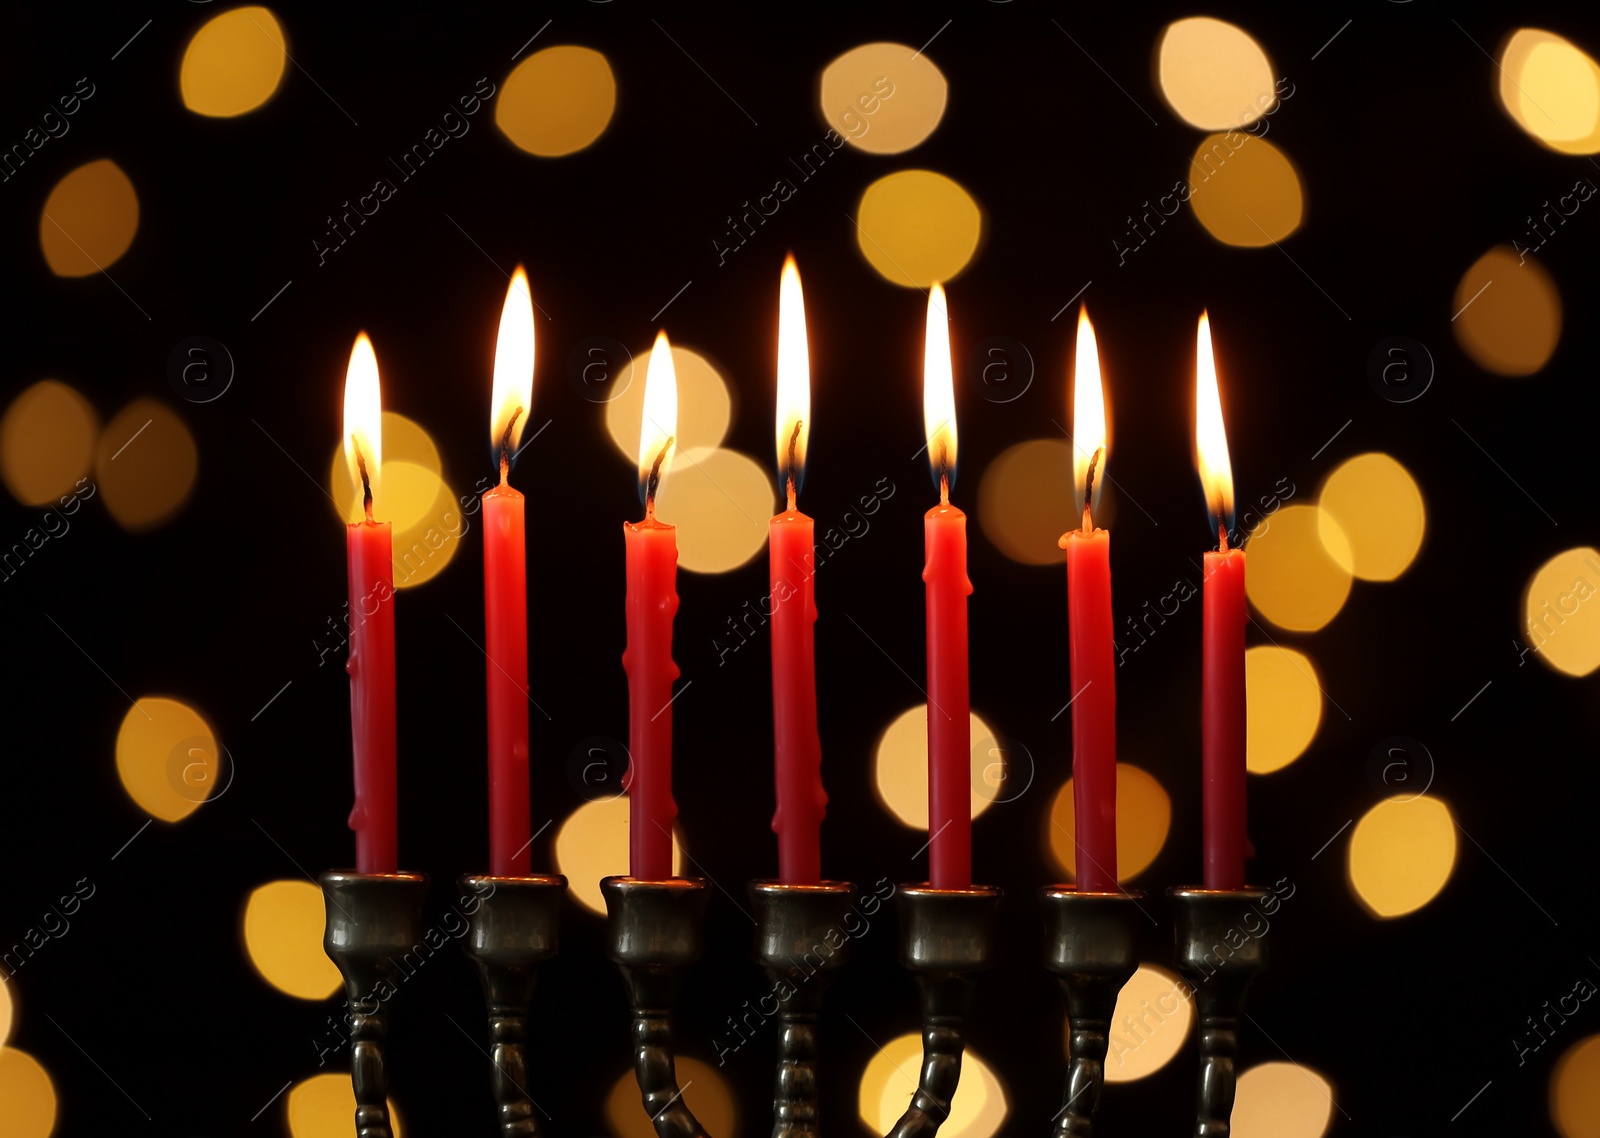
(945, 936)
(801, 943)
(512, 925)
(1090, 946)
(373, 918)
(654, 930)
(1218, 956)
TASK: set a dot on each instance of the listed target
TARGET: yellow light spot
(1244, 190)
(283, 926)
(900, 769)
(1377, 506)
(1282, 1100)
(1283, 707)
(167, 758)
(1575, 1090)
(29, 1096)
(1562, 612)
(593, 843)
(704, 406)
(705, 1093)
(46, 443)
(1508, 313)
(233, 64)
(422, 550)
(324, 1106)
(5, 1012)
(1401, 854)
(1154, 1011)
(88, 220)
(1551, 89)
(1292, 578)
(917, 227)
(557, 101)
(883, 97)
(977, 1110)
(1144, 815)
(1025, 501)
(1214, 74)
(145, 465)
(720, 500)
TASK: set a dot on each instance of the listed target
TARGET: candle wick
(1222, 533)
(794, 463)
(505, 446)
(1088, 490)
(944, 472)
(366, 481)
(654, 482)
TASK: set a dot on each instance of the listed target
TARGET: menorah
(655, 931)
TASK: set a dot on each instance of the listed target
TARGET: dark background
(1411, 171)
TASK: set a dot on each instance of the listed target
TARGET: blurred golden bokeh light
(1025, 500)
(900, 768)
(1283, 707)
(89, 219)
(1401, 854)
(1563, 618)
(593, 843)
(168, 758)
(977, 1110)
(1294, 581)
(324, 1106)
(47, 442)
(1508, 313)
(1154, 1012)
(283, 926)
(1551, 89)
(884, 98)
(1575, 1090)
(233, 64)
(705, 1093)
(6, 1012)
(1144, 815)
(1214, 74)
(917, 227)
(1245, 193)
(1282, 1100)
(705, 407)
(1378, 509)
(557, 101)
(721, 501)
(145, 465)
(27, 1095)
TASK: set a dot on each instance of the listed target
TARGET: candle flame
(658, 427)
(513, 368)
(1211, 438)
(363, 419)
(938, 393)
(794, 382)
(1090, 433)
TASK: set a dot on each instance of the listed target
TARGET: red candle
(370, 548)
(945, 575)
(1091, 649)
(1222, 719)
(797, 748)
(505, 593)
(652, 564)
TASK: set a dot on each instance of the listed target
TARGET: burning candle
(945, 547)
(1091, 649)
(370, 549)
(505, 591)
(797, 748)
(1222, 720)
(652, 570)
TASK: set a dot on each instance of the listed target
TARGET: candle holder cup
(372, 919)
(512, 924)
(1219, 957)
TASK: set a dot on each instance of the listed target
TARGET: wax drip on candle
(654, 483)
(505, 446)
(366, 482)
(794, 442)
(1088, 491)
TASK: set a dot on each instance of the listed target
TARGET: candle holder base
(1219, 956)
(372, 919)
(946, 935)
(1090, 946)
(511, 931)
(654, 929)
(796, 926)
